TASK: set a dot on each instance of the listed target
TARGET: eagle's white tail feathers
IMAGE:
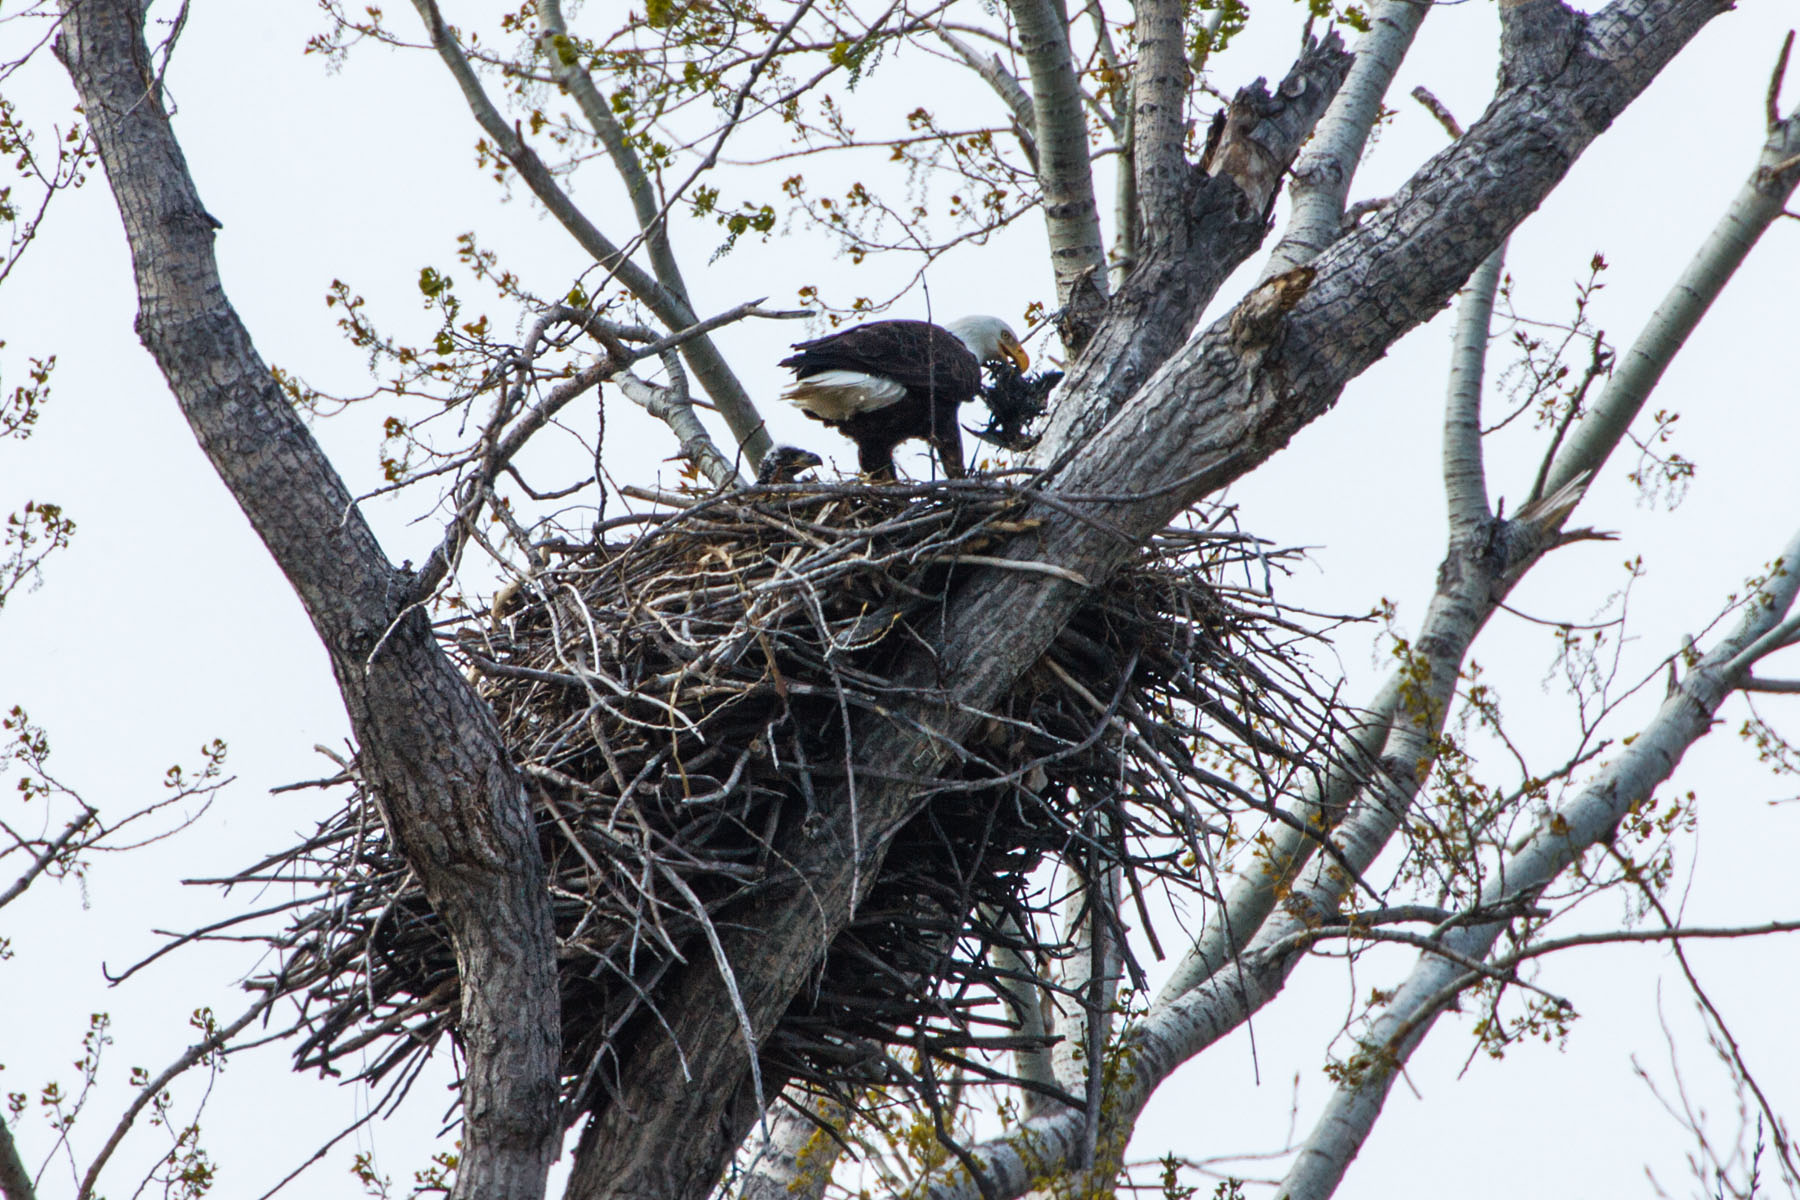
(836, 395)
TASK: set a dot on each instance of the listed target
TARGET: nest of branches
(680, 701)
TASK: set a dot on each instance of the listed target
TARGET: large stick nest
(679, 702)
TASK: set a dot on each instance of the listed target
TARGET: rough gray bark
(1485, 561)
(15, 1180)
(1685, 717)
(1217, 220)
(430, 751)
(1218, 996)
(1213, 411)
(1354, 755)
(1217, 409)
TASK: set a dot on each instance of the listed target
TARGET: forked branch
(671, 308)
(1323, 174)
(1559, 840)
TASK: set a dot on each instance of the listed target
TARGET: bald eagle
(887, 381)
(783, 464)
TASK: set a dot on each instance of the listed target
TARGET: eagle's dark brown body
(936, 372)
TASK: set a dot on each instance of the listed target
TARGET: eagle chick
(783, 464)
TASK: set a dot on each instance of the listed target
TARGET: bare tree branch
(1159, 90)
(497, 450)
(429, 748)
(1755, 208)
(1770, 639)
(1180, 1025)
(1756, 683)
(1322, 175)
(1089, 985)
(1439, 110)
(565, 63)
(46, 856)
(1034, 1061)
(671, 309)
(205, 1047)
(1226, 206)
(1065, 168)
(795, 1161)
(1325, 795)
(1559, 840)
(1673, 933)
(618, 358)
(1005, 84)
(672, 407)
(1465, 478)
(1195, 417)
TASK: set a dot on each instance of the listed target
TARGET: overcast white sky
(166, 625)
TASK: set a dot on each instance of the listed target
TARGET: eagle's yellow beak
(1010, 347)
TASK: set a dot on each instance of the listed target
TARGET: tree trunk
(430, 753)
(1170, 420)
(1222, 405)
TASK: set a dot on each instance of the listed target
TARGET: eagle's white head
(990, 339)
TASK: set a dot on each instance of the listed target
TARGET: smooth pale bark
(1159, 92)
(1537, 123)
(1757, 205)
(1322, 176)
(1127, 216)
(795, 1160)
(1352, 1111)
(1483, 584)
(1034, 1064)
(430, 753)
(1090, 977)
(1207, 222)
(1761, 200)
(675, 410)
(1465, 476)
(1065, 170)
(1321, 804)
(1217, 409)
(1006, 85)
(653, 227)
(1558, 841)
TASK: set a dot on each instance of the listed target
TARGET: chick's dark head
(783, 464)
